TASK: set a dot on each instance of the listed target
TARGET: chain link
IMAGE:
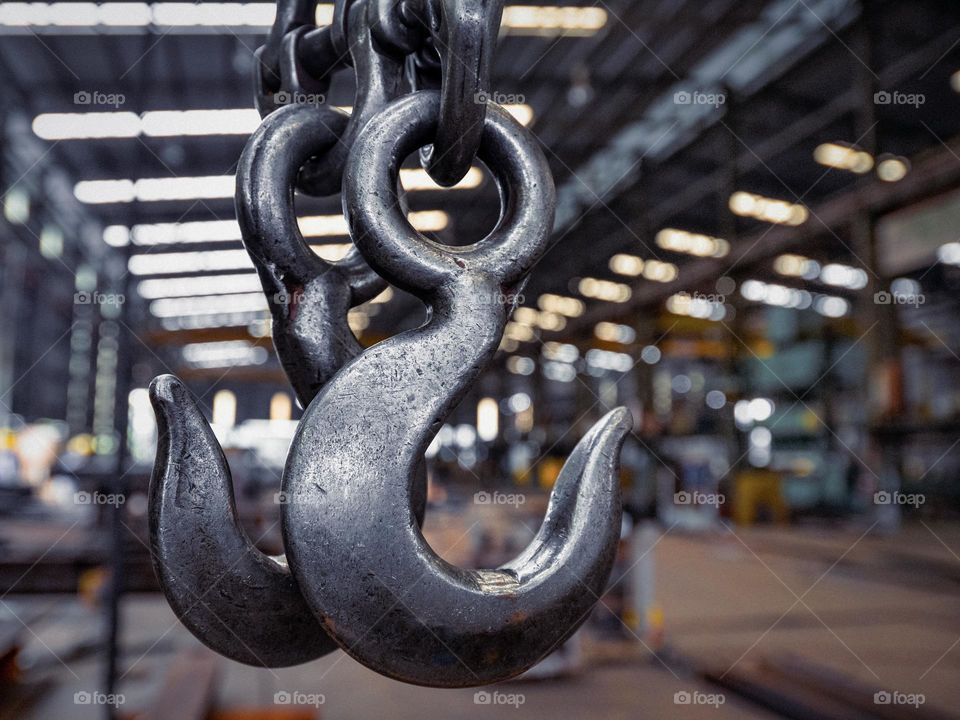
(421, 44)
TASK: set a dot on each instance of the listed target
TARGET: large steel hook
(237, 600)
(352, 542)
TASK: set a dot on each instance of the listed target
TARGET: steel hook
(308, 297)
(352, 542)
(237, 600)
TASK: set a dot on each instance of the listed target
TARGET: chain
(444, 44)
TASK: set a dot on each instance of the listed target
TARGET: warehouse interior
(752, 251)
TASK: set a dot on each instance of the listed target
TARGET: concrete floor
(881, 610)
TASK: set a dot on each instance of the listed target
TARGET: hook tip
(164, 390)
(620, 418)
(613, 428)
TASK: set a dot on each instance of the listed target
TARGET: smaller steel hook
(352, 543)
(308, 297)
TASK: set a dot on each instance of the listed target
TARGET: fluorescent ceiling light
(172, 123)
(605, 290)
(155, 289)
(629, 265)
(208, 231)
(189, 262)
(198, 322)
(208, 305)
(843, 157)
(696, 244)
(82, 126)
(414, 179)
(835, 274)
(517, 19)
(633, 266)
(697, 307)
(560, 304)
(892, 169)
(540, 19)
(543, 319)
(100, 192)
(612, 332)
(778, 212)
(228, 353)
(786, 297)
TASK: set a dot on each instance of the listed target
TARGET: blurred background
(756, 250)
